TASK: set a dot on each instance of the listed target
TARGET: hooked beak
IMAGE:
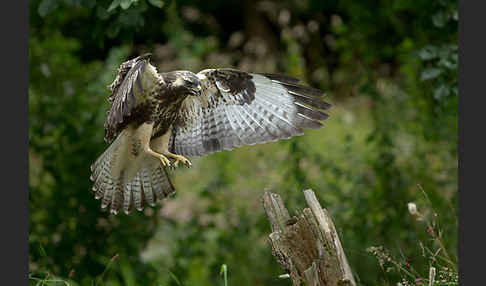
(197, 91)
(145, 56)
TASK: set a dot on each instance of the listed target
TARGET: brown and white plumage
(126, 175)
(179, 114)
(238, 108)
(132, 95)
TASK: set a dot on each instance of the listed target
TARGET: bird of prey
(155, 117)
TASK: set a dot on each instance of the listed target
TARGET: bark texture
(307, 245)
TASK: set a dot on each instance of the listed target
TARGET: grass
(46, 280)
(41, 278)
(443, 268)
(224, 273)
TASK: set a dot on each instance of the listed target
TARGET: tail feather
(127, 199)
(169, 188)
(103, 186)
(147, 187)
(97, 166)
(137, 193)
(101, 173)
(157, 183)
(99, 191)
(151, 183)
(163, 187)
(97, 186)
(108, 194)
(117, 198)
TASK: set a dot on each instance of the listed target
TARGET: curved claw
(165, 162)
(184, 161)
(179, 158)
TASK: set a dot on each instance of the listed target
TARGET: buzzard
(155, 117)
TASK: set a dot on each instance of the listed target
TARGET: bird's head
(185, 83)
(145, 56)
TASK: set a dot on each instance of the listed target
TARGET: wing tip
(280, 78)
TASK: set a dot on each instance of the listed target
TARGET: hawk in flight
(155, 117)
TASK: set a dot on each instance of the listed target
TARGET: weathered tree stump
(307, 245)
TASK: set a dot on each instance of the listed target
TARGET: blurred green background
(389, 67)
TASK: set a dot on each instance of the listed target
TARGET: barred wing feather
(130, 97)
(238, 108)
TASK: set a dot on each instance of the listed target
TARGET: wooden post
(307, 245)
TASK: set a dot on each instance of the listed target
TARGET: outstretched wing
(238, 108)
(128, 97)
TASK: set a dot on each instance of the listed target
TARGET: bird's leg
(139, 138)
(161, 145)
(178, 159)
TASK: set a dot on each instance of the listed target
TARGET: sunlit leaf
(125, 4)
(441, 91)
(157, 3)
(114, 5)
(42, 251)
(428, 53)
(440, 19)
(46, 6)
(102, 13)
(448, 63)
(174, 277)
(430, 73)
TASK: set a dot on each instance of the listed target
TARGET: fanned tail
(106, 187)
(151, 182)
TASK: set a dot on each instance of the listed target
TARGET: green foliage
(390, 68)
(432, 251)
(224, 273)
(67, 104)
(125, 4)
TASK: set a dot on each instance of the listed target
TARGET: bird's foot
(165, 162)
(180, 158)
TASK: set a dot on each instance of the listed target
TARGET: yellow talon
(180, 158)
(164, 160)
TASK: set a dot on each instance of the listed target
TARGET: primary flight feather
(156, 116)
